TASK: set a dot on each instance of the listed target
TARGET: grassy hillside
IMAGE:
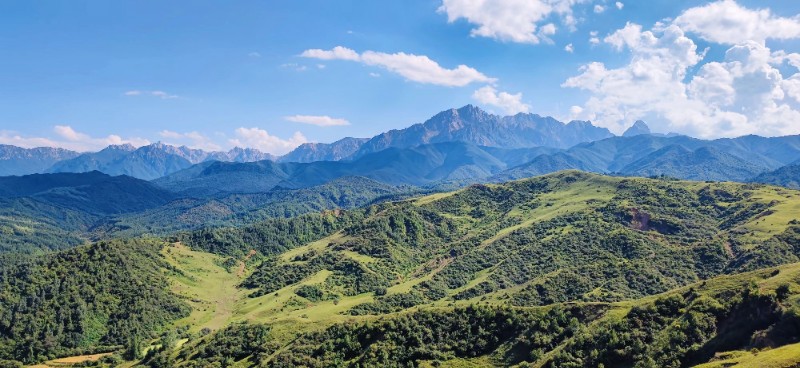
(568, 269)
(751, 319)
(563, 237)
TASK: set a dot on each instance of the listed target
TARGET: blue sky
(264, 74)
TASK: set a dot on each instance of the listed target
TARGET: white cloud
(569, 48)
(510, 104)
(67, 137)
(160, 94)
(509, 20)
(192, 139)
(322, 121)
(374, 75)
(254, 54)
(263, 141)
(416, 68)
(337, 53)
(727, 22)
(743, 94)
(599, 9)
(593, 39)
(619, 5)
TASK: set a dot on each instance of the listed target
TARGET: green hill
(565, 270)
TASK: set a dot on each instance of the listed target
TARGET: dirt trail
(70, 361)
(242, 268)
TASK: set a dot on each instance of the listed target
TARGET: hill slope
(558, 271)
(562, 269)
(55, 211)
(787, 176)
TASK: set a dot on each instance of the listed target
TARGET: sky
(275, 74)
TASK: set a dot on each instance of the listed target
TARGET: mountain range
(460, 163)
(473, 125)
(21, 161)
(151, 161)
(454, 147)
(468, 124)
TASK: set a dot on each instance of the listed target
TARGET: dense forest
(90, 298)
(59, 216)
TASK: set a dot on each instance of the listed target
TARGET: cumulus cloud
(569, 48)
(727, 22)
(599, 9)
(64, 136)
(265, 142)
(743, 94)
(321, 121)
(619, 5)
(160, 94)
(192, 139)
(416, 68)
(510, 20)
(510, 104)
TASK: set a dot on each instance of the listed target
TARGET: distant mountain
(462, 163)
(737, 159)
(310, 152)
(151, 161)
(473, 125)
(638, 128)
(22, 161)
(238, 154)
(421, 165)
(787, 176)
(705, 163)
(55, 211)
(542, 164)
(92, 192)
(147, 162)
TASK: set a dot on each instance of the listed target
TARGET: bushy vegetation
(88, 298)
(682, 328)
(563, 237)
(65, 217)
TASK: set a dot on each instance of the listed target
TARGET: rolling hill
(55, 211)
(786, 176)
(568, 269)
